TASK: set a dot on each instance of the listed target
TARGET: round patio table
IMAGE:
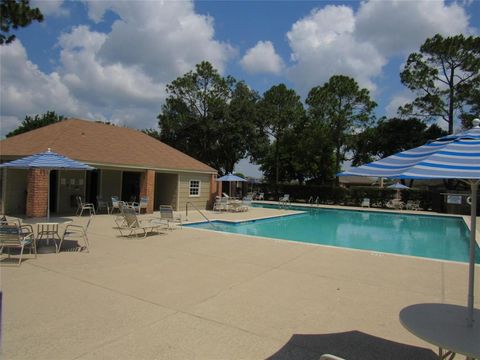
(445, 326)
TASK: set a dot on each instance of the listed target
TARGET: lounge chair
(76, 232)
(84, 206)
(131, 224)
(365, 202)
(14, 236)
(218, 205)
(167, 215)
(141, 205)
(395, 204)
(260, 196)
(412, 205)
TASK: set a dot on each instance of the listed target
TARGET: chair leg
(20, 258)
(85, 239)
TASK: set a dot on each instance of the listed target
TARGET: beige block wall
(166, 186)
(201, 201)
(15, 191)
(110, 184)
(70, 184)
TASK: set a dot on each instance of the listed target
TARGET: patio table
(47, 231)
(445, 326)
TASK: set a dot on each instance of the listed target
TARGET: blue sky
(111, 60)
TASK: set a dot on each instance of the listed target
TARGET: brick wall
(37, 193)
(147, 188)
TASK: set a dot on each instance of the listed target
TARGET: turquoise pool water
(437, 237)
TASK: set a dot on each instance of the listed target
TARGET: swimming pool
(436, 237)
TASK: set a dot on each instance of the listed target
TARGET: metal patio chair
(18, 237)
(76, 231)
(84, 206)
(166, 214)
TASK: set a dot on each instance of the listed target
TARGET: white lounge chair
(131, 224)
(365, 202)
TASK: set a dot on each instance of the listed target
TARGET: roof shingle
(101, 144)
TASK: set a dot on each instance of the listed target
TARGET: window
(194, 187)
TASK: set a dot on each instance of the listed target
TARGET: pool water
(437, 237)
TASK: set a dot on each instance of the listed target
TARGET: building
(128, 164)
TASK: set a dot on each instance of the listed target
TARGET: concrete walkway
(193, 294)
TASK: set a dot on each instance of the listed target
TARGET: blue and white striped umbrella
(47, 160)
(450, 157)
(231, 177)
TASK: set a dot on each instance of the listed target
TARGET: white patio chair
(76, 231)
(14, 236)
(141, 205)
(166, 214)
(84, 206)
(285, 199)
(102, 205)
(365, 202)
(115, 204)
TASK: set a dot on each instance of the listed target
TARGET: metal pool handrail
(201, 213)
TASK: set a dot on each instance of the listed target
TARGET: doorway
(53, 190)
(91, 188)
(130, 186)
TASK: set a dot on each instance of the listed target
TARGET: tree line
(220, 120)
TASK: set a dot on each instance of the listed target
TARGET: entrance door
(131, 186)
(91, 188)
(53, 190)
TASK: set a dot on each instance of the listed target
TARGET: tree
(209, 117)
(391, 136)
(474, 105)
(280, 111)
(443, 75)
(29, 123)
(343, 109)
(15, 14)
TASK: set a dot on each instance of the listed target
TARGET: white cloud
(262, 58)
(400, 27)
(51, 7)
(118, 76)
(336, 40)
(391, 110)
(165, 39)
(323, 45)
(27, 90)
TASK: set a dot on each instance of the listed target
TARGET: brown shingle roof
(101, 144)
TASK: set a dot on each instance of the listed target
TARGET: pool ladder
(201, 213)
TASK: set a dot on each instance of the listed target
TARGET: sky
(111, 60)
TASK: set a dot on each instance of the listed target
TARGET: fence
(353, 196)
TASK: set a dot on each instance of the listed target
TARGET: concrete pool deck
(193, 294)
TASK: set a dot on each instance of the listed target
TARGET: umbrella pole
(471, 267)
(48, 195)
